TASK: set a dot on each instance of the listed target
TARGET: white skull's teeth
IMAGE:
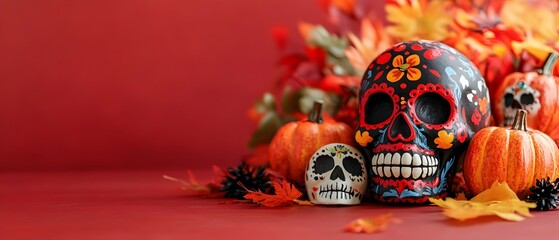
(406, 172)
(406, 165)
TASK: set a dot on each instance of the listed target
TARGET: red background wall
(134, 83)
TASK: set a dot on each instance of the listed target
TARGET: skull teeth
(337, 191)
(406, 165)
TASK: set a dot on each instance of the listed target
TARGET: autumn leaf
(418, 19)
(371, 225)
(285, 194)
(373, 42)
(192, 185)
(540, 24)
(534, 47)
(499, 201)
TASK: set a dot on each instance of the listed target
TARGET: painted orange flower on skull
(402, 68)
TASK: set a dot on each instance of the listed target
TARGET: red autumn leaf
(286, 194)
(192, 184)
(371, 225)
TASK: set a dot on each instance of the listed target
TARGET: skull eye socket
(432, 108)
(352, 166)
(527, 99)
(508, 99)
(323, 163)
(379, 107)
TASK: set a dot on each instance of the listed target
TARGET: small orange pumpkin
(295, 142)
(536, 92)
(514, 155)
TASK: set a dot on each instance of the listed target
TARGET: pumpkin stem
(548, 64)
(315, 115)
(520, 120)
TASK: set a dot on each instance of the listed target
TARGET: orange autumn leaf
(286, 194)
(371, 225)
(499, 200)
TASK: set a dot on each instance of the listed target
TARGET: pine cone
(544, 194)
(254, 179)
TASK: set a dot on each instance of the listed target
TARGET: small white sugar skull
(336, 175)
(520, 96)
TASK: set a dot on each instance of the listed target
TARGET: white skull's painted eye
(352, 166)
(381, 106)
(527, 99)
(509, 98)
(323, 163)
(432, 108)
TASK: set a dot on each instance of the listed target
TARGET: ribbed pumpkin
(544, 116)
(295, 142)
(515, 155)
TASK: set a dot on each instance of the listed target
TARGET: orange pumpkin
(295, 142)
(514, 155)
(535, 92)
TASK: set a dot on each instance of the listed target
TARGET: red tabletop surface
(142, 205)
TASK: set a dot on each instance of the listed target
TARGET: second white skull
(336, 175)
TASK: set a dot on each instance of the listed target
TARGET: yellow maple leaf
(499, 200)
(444, 141)
(418, 19)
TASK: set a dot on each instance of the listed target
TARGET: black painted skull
(420, 104)
(336, 174)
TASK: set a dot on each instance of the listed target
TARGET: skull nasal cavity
(338, 173)
(401, 129)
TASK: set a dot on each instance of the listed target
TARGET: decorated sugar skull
(420, 104)
(336, 174)
(520, 96)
